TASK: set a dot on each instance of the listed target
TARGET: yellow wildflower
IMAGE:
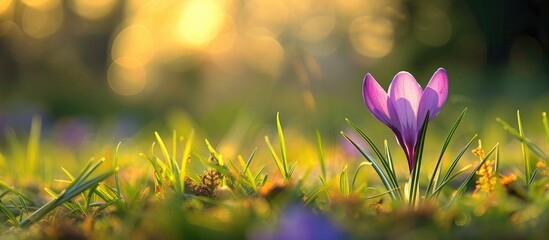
(487, 176)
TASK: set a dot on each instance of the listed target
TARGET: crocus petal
(434, 96)
(405, 94)
(376, 99)
(405, 106)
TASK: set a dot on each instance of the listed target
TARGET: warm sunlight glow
(269, 14)
(41, 23)
(41, 4)
(265, 54)
(199, 22)
(317, 28)
(93, 9)
(317, 35)
(5, 5)
(225, 39)
(371, 36)
(126, 80)
(133, 47)
(354, 7)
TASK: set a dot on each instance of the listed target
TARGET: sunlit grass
(182, 186)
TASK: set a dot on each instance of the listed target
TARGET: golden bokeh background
(214, 58)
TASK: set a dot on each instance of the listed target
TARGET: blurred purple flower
(73, 132)
(405, 106)
(301, 223)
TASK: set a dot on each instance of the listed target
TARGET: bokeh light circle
(125, 80)
(199, 22)
(39, 23)
(432, 27)
(93, 9)
(264, 53)
(372, 36)
(133, 47)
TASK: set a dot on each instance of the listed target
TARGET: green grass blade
(457, 158)
(450, 178)
(231, 166)
(391, 175)
(496, 163)
(103, 206)
(23, 204)
(185, 159)
(174, 146)
(258, 173)
(216, 155)
(313, 196)
(380, 194)
(545, 125)
(16, 192)
(104, 193)
(534, 174)
(83, 173)
(172, 167)
(279, 163)
(392, 167)
(163, 149)
(12, 218)
(248, 173)
(116, 167)
(414, 186)
(325, 187)
(89, 196)
(437, 169)
(344, 182)
(292, 169)
(265, 178)
(282, 143)
(175, 166)
(66, 195)
(386, 182)
(525, 155)
(70, 193)
(71, 177)
(250, 158)
(535, 149)
(388, 155)
(51, 192)
(388, 168)
(355, 175)
(321, 154)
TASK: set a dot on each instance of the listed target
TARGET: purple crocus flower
(405, 106)
(300, 223)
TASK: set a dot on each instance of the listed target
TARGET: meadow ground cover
(262, 119)
(180, 186)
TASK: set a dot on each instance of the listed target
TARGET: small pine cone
(211, 179)
(197, 189)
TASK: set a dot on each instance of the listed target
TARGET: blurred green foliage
(102, 61)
